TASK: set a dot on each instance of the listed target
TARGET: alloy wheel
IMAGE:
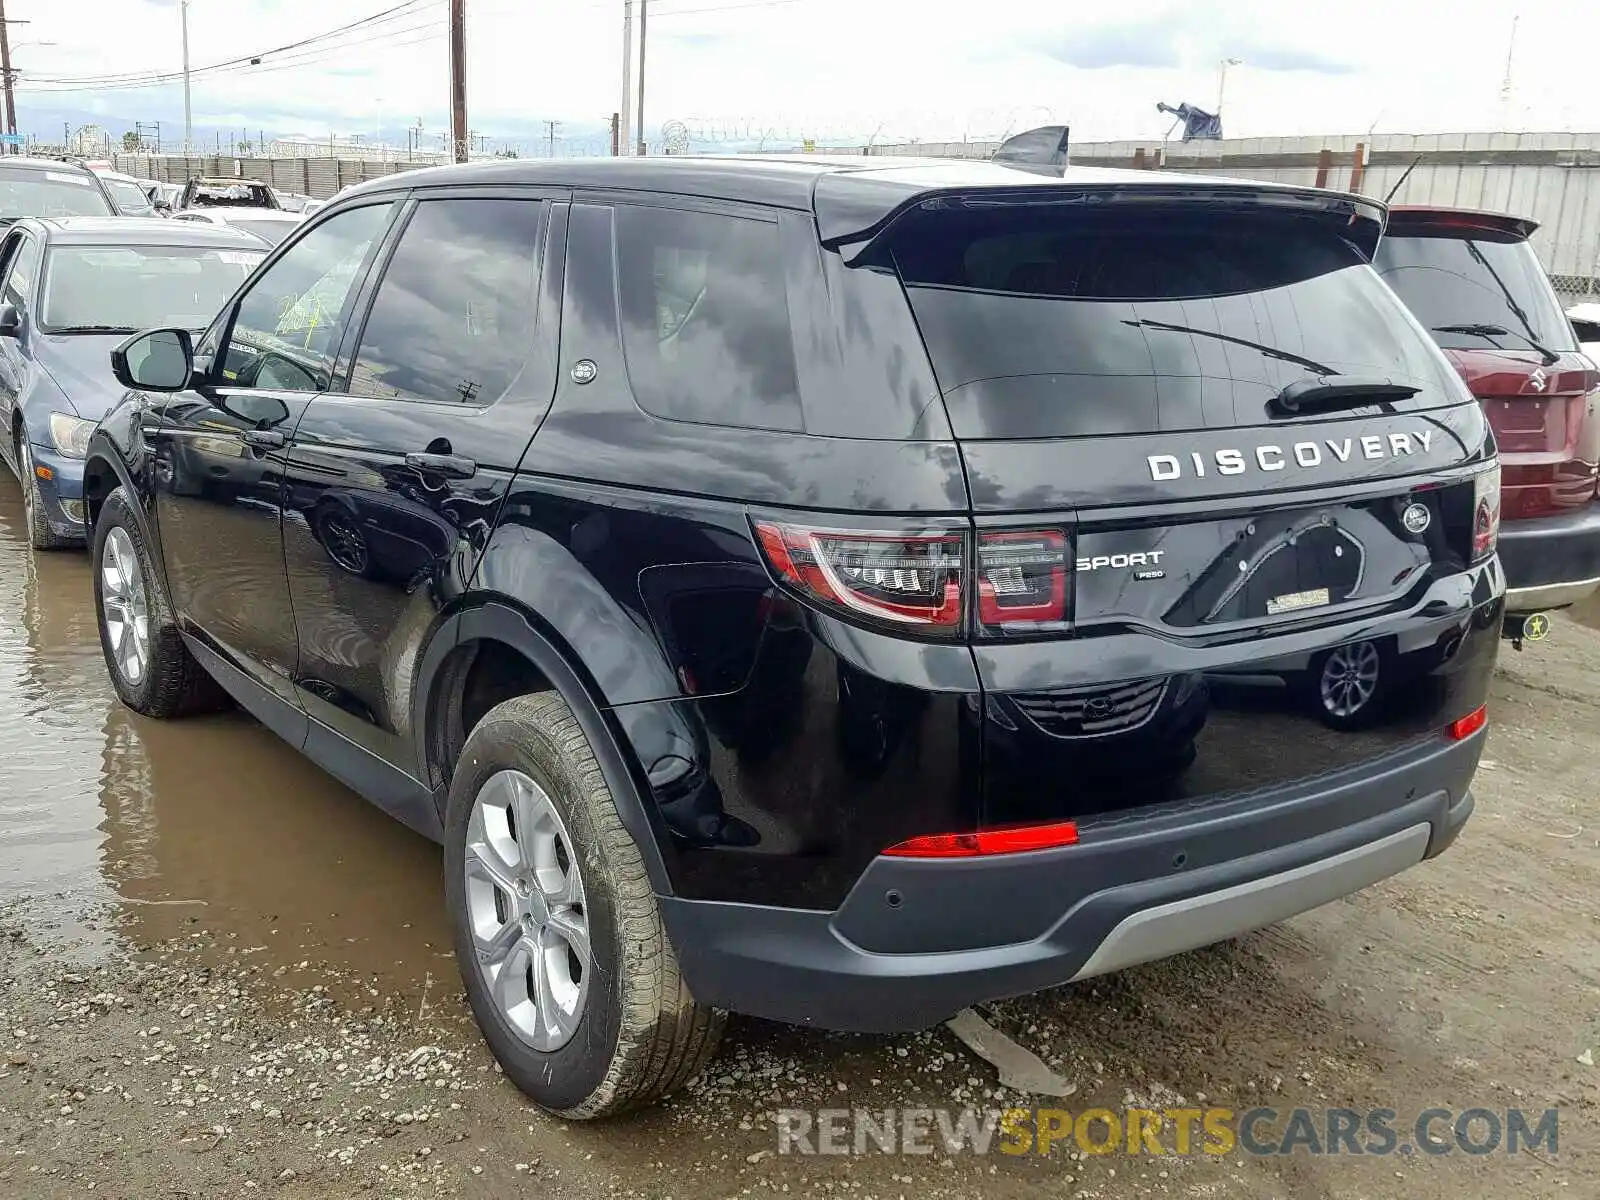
(525, 906)
(123, 600)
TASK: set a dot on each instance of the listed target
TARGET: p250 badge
(1143, 563)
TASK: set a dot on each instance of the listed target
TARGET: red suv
(1472, 279)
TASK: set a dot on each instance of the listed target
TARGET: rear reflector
(1469, 724)
(1010, 840)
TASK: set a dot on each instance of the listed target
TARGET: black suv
(840, 593)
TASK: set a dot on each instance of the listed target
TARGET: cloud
(1144, 44)
(1180, 37)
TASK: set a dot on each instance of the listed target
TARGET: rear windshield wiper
(1331, 391)
(1269, 351)
(1488, 332)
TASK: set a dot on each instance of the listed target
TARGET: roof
(42, 164)
(226, 181)
(849, 194)
(1406, 216)
(140, 231)
(118, 175)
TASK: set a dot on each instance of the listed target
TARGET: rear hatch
(1473, 280)
(1216, 472)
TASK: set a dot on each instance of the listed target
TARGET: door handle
(264, 439)
(451, 466)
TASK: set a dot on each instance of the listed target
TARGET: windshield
(34, 193)
(1493, 283)
(106, 288)
(1049, 321)
(128, 196)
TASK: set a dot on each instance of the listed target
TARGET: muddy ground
(221, 973)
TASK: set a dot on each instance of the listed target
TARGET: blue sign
(13, 139)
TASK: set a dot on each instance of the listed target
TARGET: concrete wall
(318, 177)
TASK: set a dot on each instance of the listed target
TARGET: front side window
(28, 192)
(705, 319)
(103, 289)
(286, 330)
(453, 318)
(23, 267)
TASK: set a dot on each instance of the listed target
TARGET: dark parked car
(46, 187)
(70, 291)
(1473, 280)
(838, 593)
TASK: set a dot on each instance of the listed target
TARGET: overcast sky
(841, 69)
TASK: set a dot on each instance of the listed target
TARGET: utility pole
(458, 77)
(5, 71)
(644, 6)
(551, 126)
(188, 114)
(616, 131)
(625, 130)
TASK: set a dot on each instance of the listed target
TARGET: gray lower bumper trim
(1549, 595)
(1216, 916)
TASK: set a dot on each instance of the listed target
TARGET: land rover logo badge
(584, 371)
(1416, 518)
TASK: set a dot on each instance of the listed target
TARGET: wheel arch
(503, 627)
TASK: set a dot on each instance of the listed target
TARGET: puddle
(209, 824)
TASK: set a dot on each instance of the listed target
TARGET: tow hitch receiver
(1526, 627)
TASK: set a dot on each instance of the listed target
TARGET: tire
(40, 535)
(170, 682)
(635, 1034)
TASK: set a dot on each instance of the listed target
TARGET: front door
(393, 483)
(218, 450)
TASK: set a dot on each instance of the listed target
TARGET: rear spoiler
(1042, 150)
(1408, 217)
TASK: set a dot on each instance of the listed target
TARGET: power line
(304, 58)
(408, 8)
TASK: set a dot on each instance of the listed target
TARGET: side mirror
(159, 361)
(10, 321)
(161, 204)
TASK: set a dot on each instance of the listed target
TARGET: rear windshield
(232, 195)
(1050, 321)
(30, 192)
(1475, 292)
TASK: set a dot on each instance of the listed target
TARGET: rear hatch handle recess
(1330, 392)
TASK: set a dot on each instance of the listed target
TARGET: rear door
(1194, 572)
(1481, 293)
(393, 482)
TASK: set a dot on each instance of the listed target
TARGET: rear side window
(1475, 289)
(705, 321)
(1052, 320)
(453, 317)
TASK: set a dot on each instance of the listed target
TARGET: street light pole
(188, 114)
(458, 78)
(644, 13)
(1222, 79)
(625, 121)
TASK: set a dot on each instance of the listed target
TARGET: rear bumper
(916, 941)
(1551, 561)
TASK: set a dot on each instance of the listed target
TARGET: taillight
(1012, 839)
(1022, 580)
(907, 579)
(1485, 513)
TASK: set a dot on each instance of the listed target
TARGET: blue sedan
(72, 289)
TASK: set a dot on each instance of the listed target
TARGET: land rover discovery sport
(841, 592)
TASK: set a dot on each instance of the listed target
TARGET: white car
(271, 225)
(1585, 320)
